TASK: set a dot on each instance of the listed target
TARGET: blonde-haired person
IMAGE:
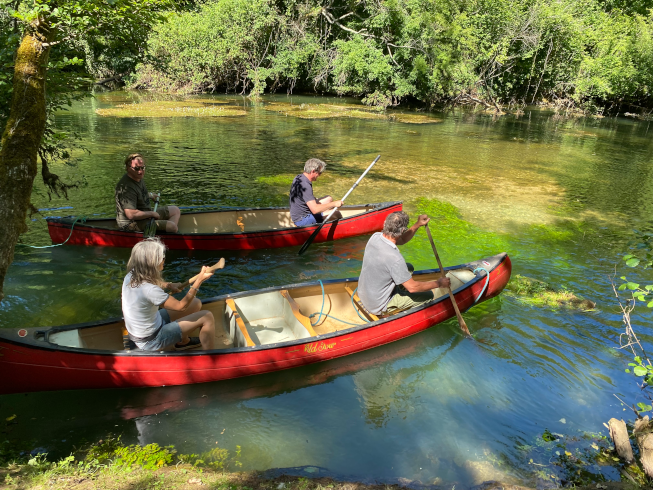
(152, 328)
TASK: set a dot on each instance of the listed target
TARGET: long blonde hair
(144, 262)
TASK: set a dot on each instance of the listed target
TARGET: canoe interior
(237, 221)
(260, 319)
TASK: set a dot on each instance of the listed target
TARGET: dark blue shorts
(311, 219)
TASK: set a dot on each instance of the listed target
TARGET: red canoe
(233, 229)
(256, 332)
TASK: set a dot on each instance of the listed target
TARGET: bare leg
(194, 306)
(334, 216)
(206, 323)
(175, 214)
(324, 200)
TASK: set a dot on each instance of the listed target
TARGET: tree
(46, 26)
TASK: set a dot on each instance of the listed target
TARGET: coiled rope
(321, 312)
(331, 316)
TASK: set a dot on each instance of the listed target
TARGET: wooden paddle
(461, 320)
(312, 237)
(218, 265)
(150, 228)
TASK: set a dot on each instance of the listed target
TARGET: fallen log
(619, 435)
(643, 433)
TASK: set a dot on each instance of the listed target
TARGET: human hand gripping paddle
(461, 320)
(178, 287)
(315, 233)
(150, 228)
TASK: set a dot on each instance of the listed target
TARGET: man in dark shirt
(305, 209)
(133, 201)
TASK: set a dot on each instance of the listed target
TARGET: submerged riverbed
(561, 196)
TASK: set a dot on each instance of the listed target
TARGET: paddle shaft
(312, 237)
(150, 223)
(461, 320)
(218, 265)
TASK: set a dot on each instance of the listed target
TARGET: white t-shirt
(140, 306)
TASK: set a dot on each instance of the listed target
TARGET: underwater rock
(484, 471)
(38, 450)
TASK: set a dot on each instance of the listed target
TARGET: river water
(560, 195)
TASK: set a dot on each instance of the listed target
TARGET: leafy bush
(387, 51)
(112, 451)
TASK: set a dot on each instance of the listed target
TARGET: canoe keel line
(85, 356)
(233, 229)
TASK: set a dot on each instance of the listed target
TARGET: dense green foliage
(585, 52)
(94, 39)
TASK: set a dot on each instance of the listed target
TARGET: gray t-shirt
(130, 195)
(383, 268)
(140, 307)
(301, 191)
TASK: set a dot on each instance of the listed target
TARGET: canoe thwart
(304, 320)
(239, 322)
(359, 305)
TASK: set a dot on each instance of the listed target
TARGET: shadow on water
(92, 414)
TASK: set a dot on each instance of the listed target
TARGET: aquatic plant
(169, 108)
(540, 293)
(572, 460)
(114, 451)
(327, 111)
(215, 459)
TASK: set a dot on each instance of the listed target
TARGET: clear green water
(560, 196)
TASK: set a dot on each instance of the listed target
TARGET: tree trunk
(22, 138)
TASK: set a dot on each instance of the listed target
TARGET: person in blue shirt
(305, 208)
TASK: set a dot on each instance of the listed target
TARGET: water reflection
(559, 195)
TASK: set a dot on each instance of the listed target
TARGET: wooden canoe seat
(304, 320)
(239, 322)
(357, 301)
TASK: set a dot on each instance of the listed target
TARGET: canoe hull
(84, 234)
(27, 366)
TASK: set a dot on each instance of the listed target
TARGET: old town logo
(318, 347)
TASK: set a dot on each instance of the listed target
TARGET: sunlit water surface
(561, 196)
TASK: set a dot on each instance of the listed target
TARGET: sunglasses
(138, 169)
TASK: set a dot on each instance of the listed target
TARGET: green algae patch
(464, 240)
(328, 111)
(408, 118)
(276, 180)
(539, 293)
(172, 108)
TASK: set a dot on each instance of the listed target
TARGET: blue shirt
(301, 191)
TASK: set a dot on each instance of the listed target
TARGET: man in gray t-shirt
(384, 269)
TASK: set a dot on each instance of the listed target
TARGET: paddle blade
(150, 229)
(310, 239)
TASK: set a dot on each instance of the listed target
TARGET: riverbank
(182, 478)
(113, 465)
